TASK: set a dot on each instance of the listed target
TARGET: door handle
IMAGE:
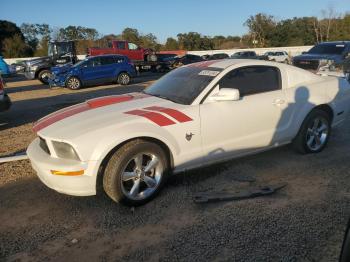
(278, 102)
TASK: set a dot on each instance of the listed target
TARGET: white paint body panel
(221, 130)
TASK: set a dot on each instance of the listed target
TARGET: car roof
(335, 42)
(225, 63)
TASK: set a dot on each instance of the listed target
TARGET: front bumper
(54, 81)
(5, 102)
(43, 163)
(29, 74)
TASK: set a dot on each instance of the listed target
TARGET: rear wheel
(124, 78)
(135, 173)
(44, 76)
(73, 83)
(314, 133)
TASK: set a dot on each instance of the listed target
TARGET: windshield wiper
(163, 97)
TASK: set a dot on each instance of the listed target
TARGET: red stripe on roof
(157, 118)
(179, 116)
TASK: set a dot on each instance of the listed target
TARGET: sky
(163, 18)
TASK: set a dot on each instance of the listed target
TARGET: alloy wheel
(141, 176)
(124, 79)
(73, 83)
(317, 133)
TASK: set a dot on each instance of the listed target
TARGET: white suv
(280, 56)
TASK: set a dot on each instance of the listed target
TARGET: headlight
(324, 62)
(34, 68)
(64, 150)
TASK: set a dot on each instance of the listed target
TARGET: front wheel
(135, 173)
(44, 76)
(314, 132)
(73, 83)
(124, 78)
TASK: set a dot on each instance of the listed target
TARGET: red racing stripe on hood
(157, 118)
(88, 105)
(105, 101)
(59, 116)
(179, 116)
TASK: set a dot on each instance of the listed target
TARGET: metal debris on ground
(14, 157)
(206, 197)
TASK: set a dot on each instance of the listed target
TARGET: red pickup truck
(132, 51)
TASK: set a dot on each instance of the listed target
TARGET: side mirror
(226, 94)
(303, 53)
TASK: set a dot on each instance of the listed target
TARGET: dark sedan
(177, 61)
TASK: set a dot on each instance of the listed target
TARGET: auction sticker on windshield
(208, 73)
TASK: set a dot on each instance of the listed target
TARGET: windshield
(330, 49)
(184, 84)
(80, 62)
(59, 48)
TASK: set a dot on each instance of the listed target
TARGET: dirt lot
(303, 222)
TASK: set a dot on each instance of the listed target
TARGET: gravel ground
(303, 222)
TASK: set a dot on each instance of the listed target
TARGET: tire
(73, 83)
(126, 179)
(123, 78)
(314, 133)
(44, 75)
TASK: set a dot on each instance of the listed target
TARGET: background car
(247, 55)
(5, 102)
(278, 56)
(178, 61)
(5, 69)
(194, 116)
(217, 56)
(336, 53)
(94, 71)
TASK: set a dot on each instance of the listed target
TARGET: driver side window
(132, 46)
(252, 80)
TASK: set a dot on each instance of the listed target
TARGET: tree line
(263, 31)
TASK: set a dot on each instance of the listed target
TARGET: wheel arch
(122, 71)
(37, 72)
(326, 108)
(103, 164)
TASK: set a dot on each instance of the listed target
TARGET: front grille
(307, 64)
(44, 146)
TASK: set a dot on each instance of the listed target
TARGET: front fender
(111, 138)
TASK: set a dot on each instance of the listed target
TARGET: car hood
(317, 57)
(37, 61)
(104, 112)
(61, 69)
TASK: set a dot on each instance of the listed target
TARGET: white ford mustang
(193, 116)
